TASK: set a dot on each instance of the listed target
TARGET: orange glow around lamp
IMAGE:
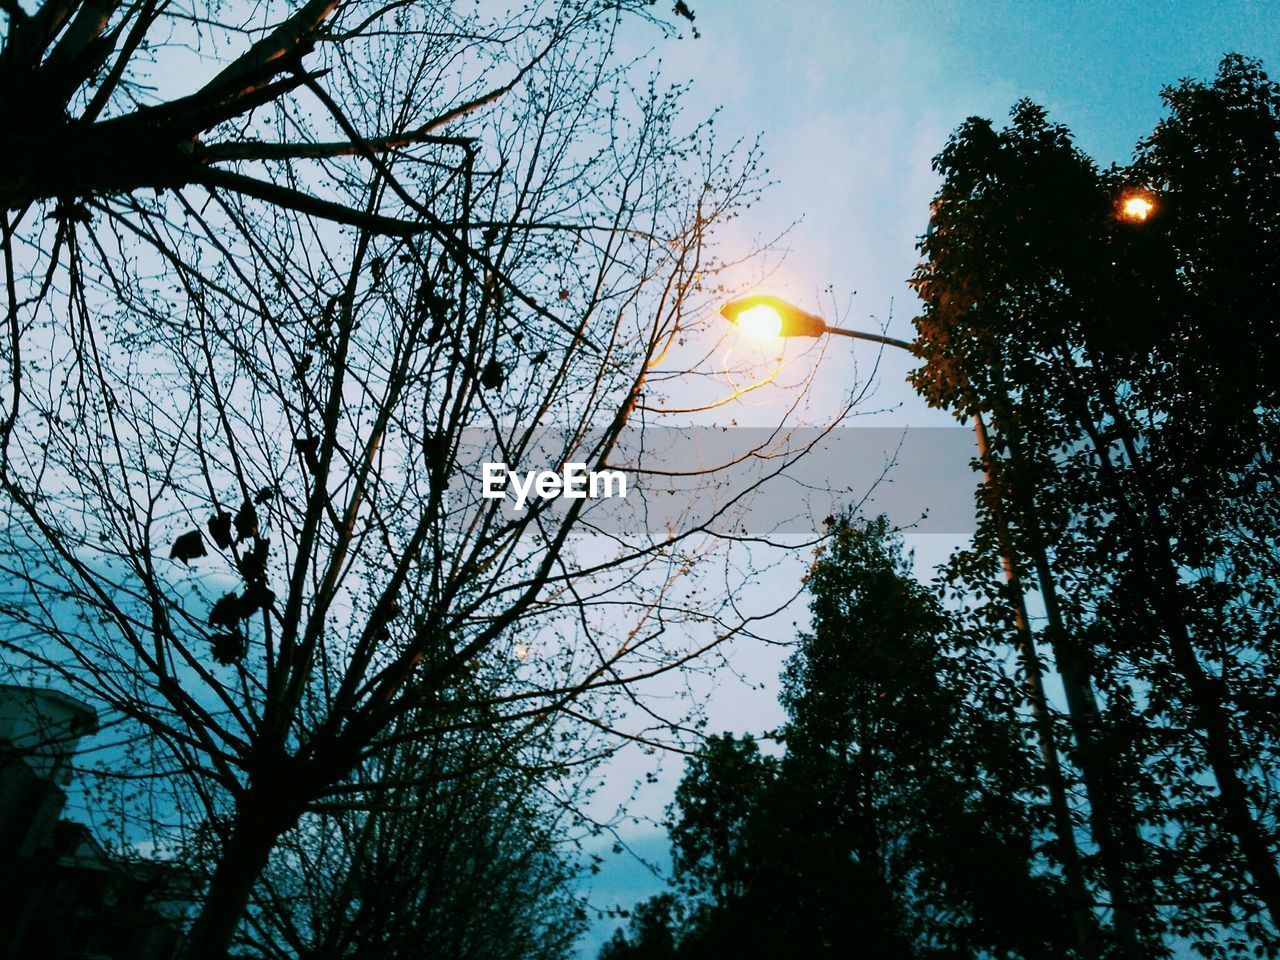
(762, 317)
(1136, 206)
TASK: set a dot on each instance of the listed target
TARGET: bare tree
(471, 853)
(99, 115)
(241, 514)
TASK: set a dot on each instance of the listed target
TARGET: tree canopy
(1133, 443)
(903, 767)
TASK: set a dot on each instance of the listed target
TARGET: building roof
(87, 714)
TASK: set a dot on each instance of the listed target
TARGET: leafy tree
(1193, 473)
(718, 797)
(725, 842)
(904, 767)
(1116, 360)
(1018, 220)
(903, 741)
(650, 933)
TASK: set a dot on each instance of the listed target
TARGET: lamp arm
(873, 337)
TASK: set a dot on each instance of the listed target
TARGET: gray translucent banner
(742, 481)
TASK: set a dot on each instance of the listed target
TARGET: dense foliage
(1123, 364)
(903, 767)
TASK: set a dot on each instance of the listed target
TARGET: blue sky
(852, 100)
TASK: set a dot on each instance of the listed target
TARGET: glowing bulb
(760, 323)
(1136, 207)
(522, 652)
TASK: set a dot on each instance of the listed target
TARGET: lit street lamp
(762, 317)
(1136, 206)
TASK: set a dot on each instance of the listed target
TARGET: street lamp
(1136, 206)
(763, 317)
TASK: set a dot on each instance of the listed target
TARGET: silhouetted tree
(245, 414)
(650, 933)
(467, 853)
(1117, 361)
(905, 754)
(1017, 219)
(904, 769)
(100, 117)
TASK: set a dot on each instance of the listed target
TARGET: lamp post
(764, 317)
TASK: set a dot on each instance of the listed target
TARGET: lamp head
(762, 317)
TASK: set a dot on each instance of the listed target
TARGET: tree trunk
(1109, 822)
(1083, 919)
(260, 820)
(1109, 819)
(1258, 857)
(1203, 695)
(1212, 718)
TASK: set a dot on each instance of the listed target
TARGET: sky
(851, 101)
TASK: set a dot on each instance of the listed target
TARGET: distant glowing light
(1136, 207)
(522, 652)
(760, 323)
